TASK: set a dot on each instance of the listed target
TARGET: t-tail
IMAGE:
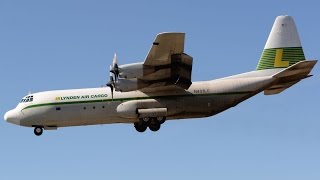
(283, 51)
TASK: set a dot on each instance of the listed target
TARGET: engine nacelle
(125, 85)
(129, 71)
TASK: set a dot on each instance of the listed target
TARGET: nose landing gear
(38, 131)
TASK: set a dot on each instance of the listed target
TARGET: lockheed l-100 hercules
(148, 93)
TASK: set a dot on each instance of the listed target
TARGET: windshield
(27, 99)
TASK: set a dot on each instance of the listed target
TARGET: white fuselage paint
(92, 106)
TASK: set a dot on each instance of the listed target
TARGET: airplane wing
(166, 63)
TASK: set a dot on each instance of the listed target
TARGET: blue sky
(46, 45)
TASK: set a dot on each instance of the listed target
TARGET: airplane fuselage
(76, 107)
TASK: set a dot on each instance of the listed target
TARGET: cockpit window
(27, 99)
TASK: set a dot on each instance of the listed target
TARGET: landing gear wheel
(145, 120)
(154, 125)
(38, 131)
(140, 127)
(161, 119)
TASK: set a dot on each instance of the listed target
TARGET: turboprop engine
(135, 76)
(124, 78)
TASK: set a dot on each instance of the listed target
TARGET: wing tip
(169, 33)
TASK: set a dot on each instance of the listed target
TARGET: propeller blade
(111, 88)
(114, 67)
(111, 74)
(114, 74)
(114, 61)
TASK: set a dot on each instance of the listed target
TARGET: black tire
(140, 127)
(154, 126)
(38, 131)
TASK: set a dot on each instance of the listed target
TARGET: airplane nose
(12, 117)
(5, 116)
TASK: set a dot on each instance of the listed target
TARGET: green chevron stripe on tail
(280, 57)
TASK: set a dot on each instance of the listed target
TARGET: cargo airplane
(148, 93)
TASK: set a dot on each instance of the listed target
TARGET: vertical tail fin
(283, 47)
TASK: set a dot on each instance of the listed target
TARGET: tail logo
(278, 59)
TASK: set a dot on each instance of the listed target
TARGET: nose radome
(12, 117)
(5, 116)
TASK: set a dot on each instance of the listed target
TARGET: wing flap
(177, 73)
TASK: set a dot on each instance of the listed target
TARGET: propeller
(114, 74)
(111, 83)
(115, 68)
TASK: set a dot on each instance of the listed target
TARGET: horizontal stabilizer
(290, 76)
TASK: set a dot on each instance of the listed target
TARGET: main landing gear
(153, 123)
(38, 131)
